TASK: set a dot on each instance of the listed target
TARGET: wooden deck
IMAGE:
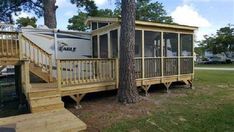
(53, 121)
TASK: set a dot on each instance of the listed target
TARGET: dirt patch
(102, 112)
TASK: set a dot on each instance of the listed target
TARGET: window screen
(170, 47)
(186, 44)
(114, 43)
(138, 43)
(152, 42)
(95, 47)
(104, 46)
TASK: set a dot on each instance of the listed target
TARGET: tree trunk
(50, 13)
(127, 84)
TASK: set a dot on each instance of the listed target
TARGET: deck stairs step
(44, 99)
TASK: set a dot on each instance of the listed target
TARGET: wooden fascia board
(105, 29)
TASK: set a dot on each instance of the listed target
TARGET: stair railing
(35, 54)
(9, 47)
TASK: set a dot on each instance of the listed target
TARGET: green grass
(208, 108)
(216, 65)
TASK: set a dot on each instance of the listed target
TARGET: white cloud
(187, 15)
(101, 2)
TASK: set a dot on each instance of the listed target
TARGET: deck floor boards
(59, 120)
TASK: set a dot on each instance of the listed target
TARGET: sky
(208, 15)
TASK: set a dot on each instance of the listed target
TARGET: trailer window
(138, 43)
(186, 44)
(95, 47)
(104, 46)
(170, 47)
(114, 43)
(152, 45)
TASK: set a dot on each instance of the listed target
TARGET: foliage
(89, 6)
(78, 22)
(9, 7)
(146, 11)
(23, 22)
(222, 41)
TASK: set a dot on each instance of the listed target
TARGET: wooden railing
(9, 46)
(170, 66)
(83, 71)
(152, 67)
(36, 55)
(186, 65)
(138, 67)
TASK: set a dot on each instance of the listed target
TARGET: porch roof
(141, 23)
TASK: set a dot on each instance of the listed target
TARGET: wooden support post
(20, 46)
(167, 85)
(59, 74)
(190, 83)
(77, 98)
(143, 56)
(162, 57)
(146, 88)
(117, 72)
(27, 76)
(51, 68)
(179, 56)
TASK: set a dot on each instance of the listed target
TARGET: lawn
(209, 107)
(216, 65)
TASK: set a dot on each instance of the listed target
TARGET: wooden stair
(39, 72)
(43, 99)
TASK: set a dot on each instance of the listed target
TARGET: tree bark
(50, 13)
(127, 84)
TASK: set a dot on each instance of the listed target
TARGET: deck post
(162, 57)
(51, 68)
(143, 56)
(178, 78)
(146, 88)
(117, 72)
(98, 45)
(59, 74)
(77, 98)
(26, 76)
(20, 46)
(167, 85)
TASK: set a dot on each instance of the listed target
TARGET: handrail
(81, 71)
(37, 55)
(24, 37)
(9, 46)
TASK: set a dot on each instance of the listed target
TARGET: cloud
(101, 2)
(187, 15)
